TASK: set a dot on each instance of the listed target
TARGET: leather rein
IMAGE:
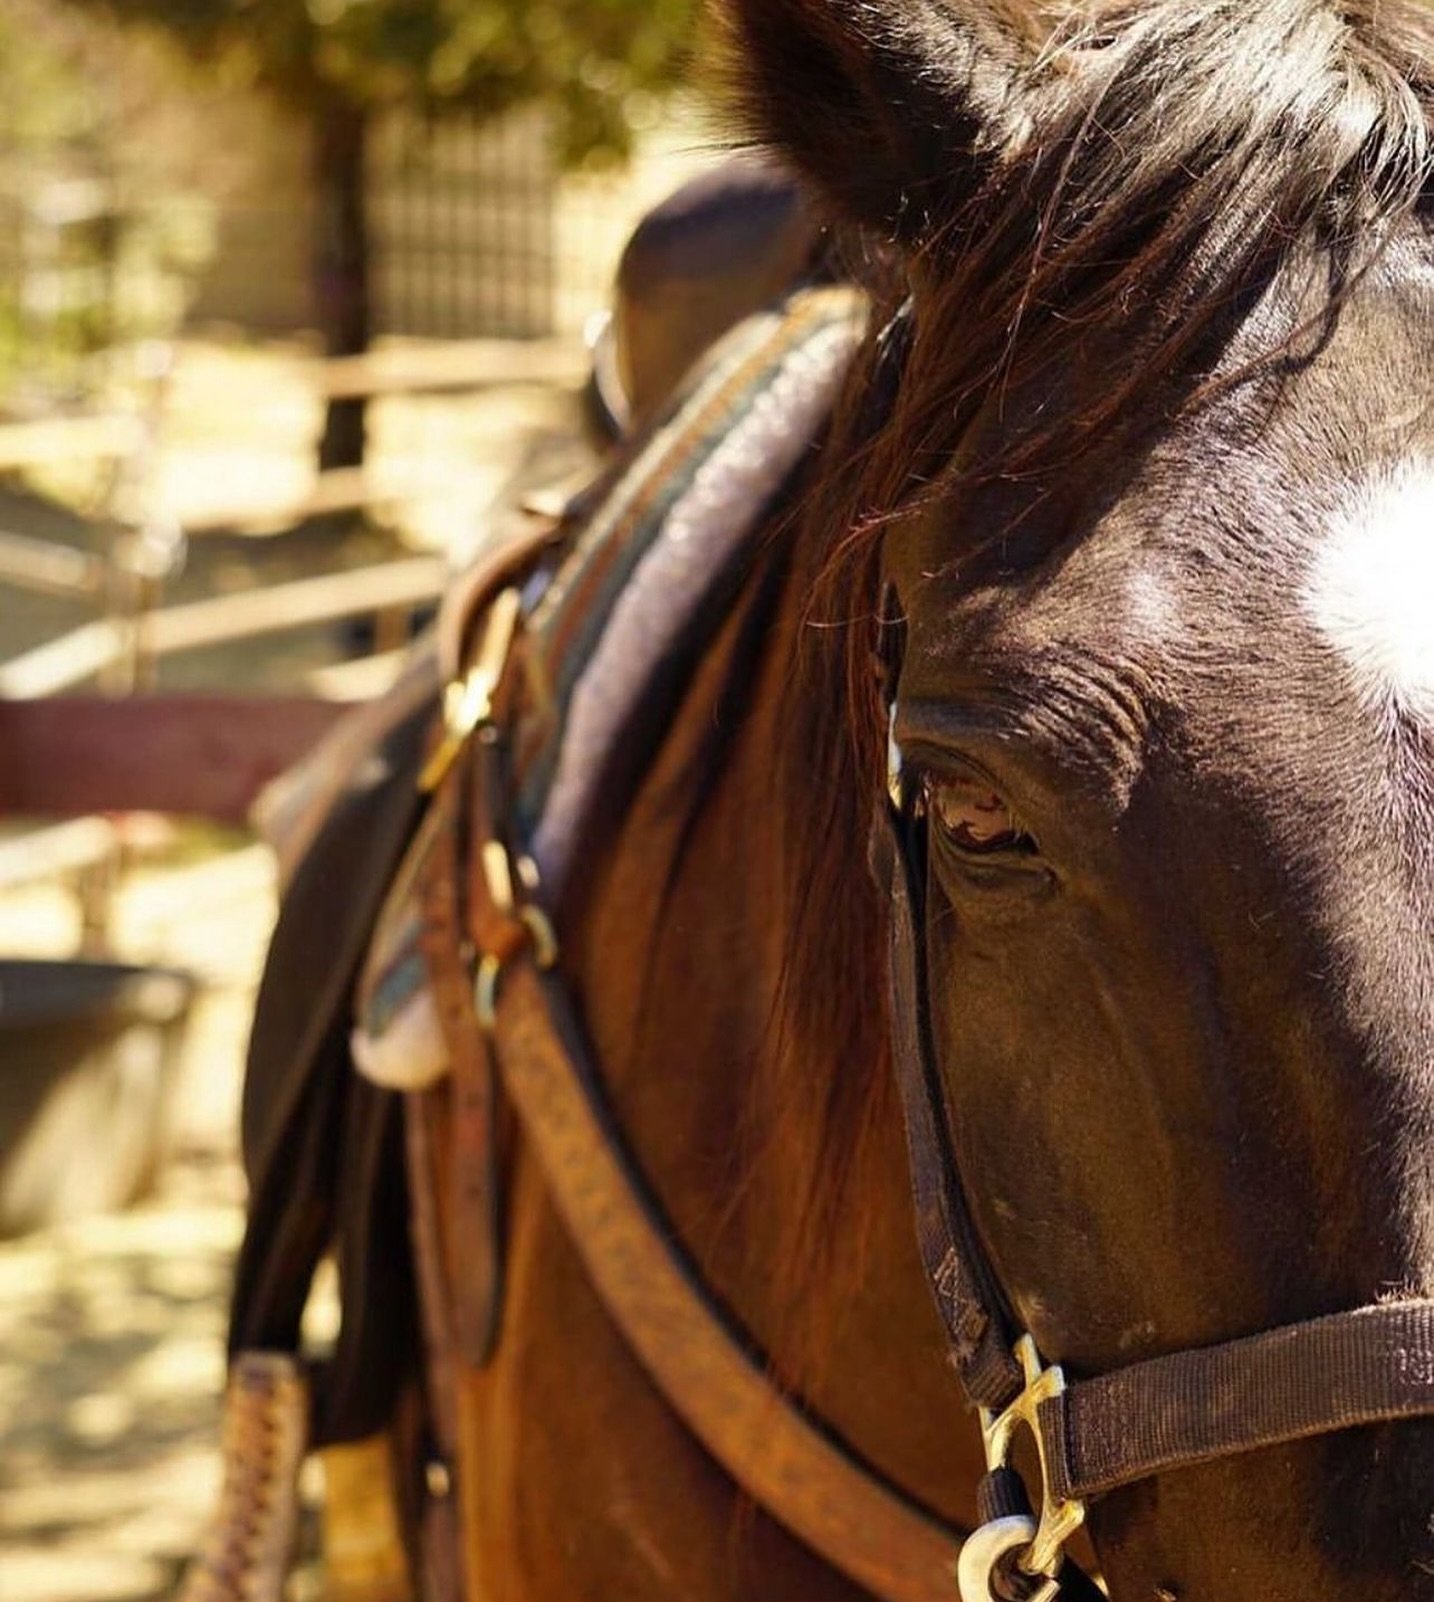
(1092, 1436)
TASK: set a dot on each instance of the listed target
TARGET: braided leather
(249, 1545)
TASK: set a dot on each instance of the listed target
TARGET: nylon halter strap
(1370, 1366)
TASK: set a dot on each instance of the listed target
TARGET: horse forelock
(1181, 154)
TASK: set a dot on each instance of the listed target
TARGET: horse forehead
(1370, 590)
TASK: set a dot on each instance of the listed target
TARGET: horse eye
(973, 816)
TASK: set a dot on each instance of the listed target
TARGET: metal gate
(461, 218)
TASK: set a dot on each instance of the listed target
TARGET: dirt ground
(111, 1327)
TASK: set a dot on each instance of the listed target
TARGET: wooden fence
(208, 755)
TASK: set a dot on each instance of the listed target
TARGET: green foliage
(586, 59)
(102, 227)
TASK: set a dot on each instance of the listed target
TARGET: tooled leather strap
(707, 1368)
(1370, 1366)
(474, 1238)
(451, 899)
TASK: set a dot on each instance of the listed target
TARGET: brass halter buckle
(1037, 1548)
(511, 881)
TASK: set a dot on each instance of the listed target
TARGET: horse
(1085, 652)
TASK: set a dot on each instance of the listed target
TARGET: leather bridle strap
(1370, 1366)
(688, 1342)
(706, 1366)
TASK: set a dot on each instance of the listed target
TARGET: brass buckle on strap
(1039, 1547)
(468, 702)
(540, 937)
(509, 883)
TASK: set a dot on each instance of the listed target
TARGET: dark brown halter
(1369, 1366)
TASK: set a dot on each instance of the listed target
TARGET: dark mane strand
(1182, 154)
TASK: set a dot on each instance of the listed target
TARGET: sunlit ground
(111, 1327)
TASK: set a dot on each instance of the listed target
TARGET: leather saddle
(723, 245)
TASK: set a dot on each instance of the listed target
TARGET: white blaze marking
(1371, 594)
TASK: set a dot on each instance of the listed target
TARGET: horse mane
(1181, 155)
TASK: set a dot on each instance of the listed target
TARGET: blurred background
(296, 300)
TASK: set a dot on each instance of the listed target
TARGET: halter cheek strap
(956, 1267)
(1371, 1366)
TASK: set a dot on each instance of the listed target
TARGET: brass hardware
(498, 875)
(512, 881)
(468, 702)
(545, 937)
(1059, 1520)
(543, 940)
(984, 1553)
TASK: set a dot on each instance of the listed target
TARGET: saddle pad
(663, 541)
(666, 537)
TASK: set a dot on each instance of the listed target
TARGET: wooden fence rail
(72, 659)
(202, 755)
(465, 364)
(50, 568)
(49, 440)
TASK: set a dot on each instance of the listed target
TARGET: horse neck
(679, 957)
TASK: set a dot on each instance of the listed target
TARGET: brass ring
(542, 942)
(485, 993)
(542, 934)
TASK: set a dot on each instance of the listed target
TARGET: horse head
(1152, 496)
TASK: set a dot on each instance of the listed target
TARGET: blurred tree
(337, 62)
(41, 101)
(103, 218)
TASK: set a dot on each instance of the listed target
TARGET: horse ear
(894, 108)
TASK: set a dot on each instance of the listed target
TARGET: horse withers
(1095, 619)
